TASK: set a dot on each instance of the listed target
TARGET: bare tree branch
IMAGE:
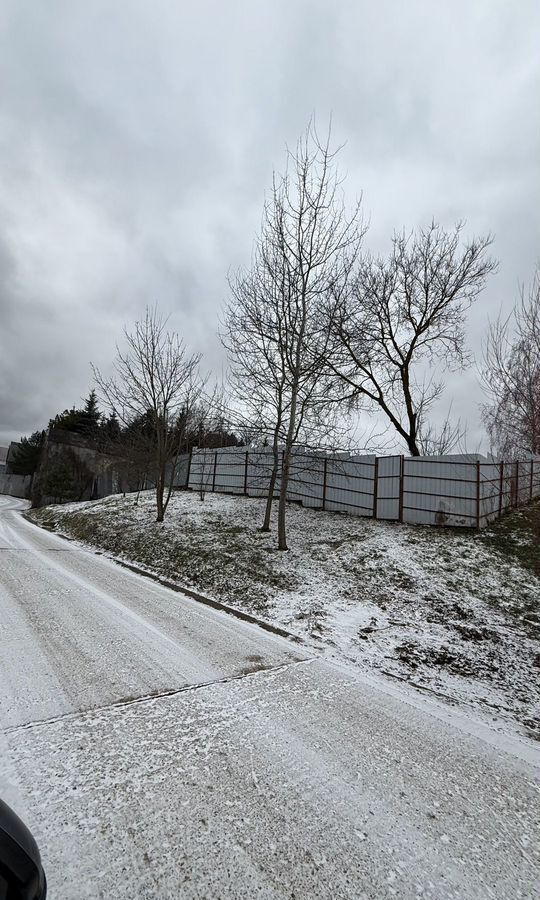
(404, 315)
(511, 377)
(155, 379)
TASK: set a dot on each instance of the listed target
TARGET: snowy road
(161, 749)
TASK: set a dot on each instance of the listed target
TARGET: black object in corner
(21, 873)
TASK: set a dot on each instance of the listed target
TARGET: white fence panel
(230, 463)
(201, 471)
(388, 482)
(439, 491)
(452, 490)
(490, 492)
(350, 485)
(260, 465)
(306, 484)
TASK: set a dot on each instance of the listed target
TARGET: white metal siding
(454, 490)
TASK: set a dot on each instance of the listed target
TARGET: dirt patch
(415, 655)
(254, 663)
(476, 633)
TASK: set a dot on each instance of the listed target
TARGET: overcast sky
(137, 140)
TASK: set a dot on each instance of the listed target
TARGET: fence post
(246, 463)
(501, 485)
(325, 469)
(189, 468)
(214, 475)
(532, 473)
(375, 486)
(478, 495)
(401, 476)
(517, 482)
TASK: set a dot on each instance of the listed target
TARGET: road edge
(173, 586)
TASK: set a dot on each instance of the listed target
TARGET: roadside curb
(173, 586)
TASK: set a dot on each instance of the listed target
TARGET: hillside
(453, 612)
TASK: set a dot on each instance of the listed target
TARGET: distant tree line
(132, 448)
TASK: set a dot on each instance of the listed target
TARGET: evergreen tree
(28, 454)
(90, 417)
(67, 478)
(86, 421)
(111, 428)
(69, 420)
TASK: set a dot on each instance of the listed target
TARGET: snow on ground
(445, 610)
(301, 783)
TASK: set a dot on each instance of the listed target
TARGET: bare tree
(441, 440)
(255, 337)
(157, 379)
(511, 377)
(403, 320)
(277, 325)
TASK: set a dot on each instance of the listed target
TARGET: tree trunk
(171, 480)
(160, 488)
(282, 531)
(272, 485)
(269, 499)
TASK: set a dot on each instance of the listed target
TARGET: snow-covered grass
(450, 611)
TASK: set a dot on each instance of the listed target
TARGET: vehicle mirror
(21, 872)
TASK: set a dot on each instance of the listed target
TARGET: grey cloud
(137, 140)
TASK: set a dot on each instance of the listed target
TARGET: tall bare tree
(511, 377)
(402, 323)
(254, 335)
(155, 378)
(277, 324)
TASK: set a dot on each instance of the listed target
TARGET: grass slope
(448, 610)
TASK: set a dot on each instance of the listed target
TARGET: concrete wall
(16, 485)
(102, 475)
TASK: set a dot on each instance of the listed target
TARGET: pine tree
(90, 416)
(111, 427)
(67, 477)
(27, 456)
(86, 421)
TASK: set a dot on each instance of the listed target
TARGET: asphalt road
(161, 749)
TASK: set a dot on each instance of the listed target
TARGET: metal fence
(461, 490)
